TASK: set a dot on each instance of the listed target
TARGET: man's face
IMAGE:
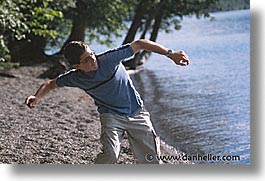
(88, 61)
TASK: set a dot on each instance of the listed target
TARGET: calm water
(203, 108)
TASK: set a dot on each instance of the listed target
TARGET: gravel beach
(63, 129)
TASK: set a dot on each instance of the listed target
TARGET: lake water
(203, 108)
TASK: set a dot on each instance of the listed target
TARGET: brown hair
(73, 50)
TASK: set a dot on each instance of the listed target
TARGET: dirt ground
(63, 129)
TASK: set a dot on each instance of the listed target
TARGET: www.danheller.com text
(197, 157)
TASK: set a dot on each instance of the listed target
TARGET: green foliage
(104, 18)
(8, 65)
(41, 18)
(225, 5)
(176, 10)
(12, 22)
(21, 19)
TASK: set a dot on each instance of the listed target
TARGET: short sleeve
(117, 55)
(68, 79)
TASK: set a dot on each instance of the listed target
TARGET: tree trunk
(77, 33)
(78, 25)
(156, 26)
(137, 21)
(141, 9)
(141, 57)
(144, 55)
(26, 52)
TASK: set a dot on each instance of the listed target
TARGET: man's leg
(143, 139)
(112, 134)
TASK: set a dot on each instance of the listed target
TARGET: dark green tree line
(25, 26)
(28, 26)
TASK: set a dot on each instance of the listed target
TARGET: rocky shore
(63, 129)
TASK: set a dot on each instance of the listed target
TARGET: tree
(154, 16)
(140, 12)
(25, 26)
(99, 17)
(12, 25)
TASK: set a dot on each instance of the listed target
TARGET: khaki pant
(141, 135)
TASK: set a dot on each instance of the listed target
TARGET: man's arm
(44, 89)
(179, 57)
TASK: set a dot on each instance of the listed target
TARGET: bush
(8, 65)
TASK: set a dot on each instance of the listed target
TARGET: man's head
(80, 56)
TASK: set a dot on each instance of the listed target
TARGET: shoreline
(63, 129)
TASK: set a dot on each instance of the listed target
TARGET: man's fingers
(26, 101)
(30, 101)
(187, 61)
(31, 105)
(183, 62)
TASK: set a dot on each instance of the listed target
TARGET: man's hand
(180, 58)
(31, 101)
(45, 88)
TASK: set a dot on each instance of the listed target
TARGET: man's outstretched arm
(179, 57)
(44, 89)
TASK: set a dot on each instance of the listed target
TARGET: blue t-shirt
(118, 95)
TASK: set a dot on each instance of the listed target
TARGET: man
(121, 108)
